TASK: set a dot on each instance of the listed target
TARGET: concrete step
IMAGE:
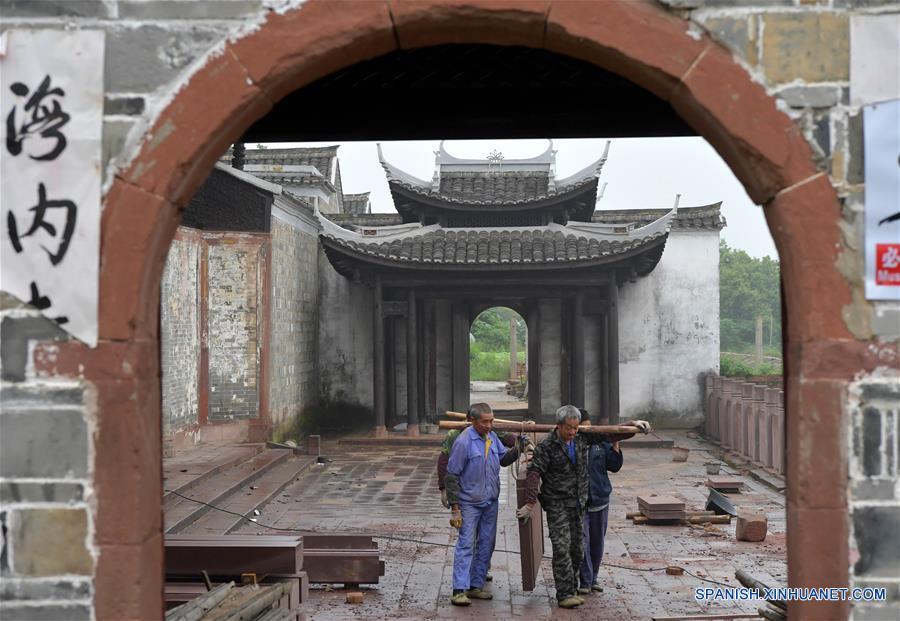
(218, 487)
(249, 496)
(187, 471)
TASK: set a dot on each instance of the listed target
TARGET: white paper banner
(51, 123)
(882, 156)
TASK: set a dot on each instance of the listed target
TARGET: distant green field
(491, 365)
(735, 366)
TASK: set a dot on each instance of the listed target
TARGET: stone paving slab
(391, 492)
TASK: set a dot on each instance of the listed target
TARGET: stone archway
(634, 39)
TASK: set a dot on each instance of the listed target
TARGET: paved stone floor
(391, 492)
(494, 394)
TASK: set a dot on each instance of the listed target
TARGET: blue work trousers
(475, 545)
(595, 523)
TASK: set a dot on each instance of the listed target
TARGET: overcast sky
(640, 173)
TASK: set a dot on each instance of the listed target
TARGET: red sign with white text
(887, 264)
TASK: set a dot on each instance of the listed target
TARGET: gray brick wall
(45, 557)
(233, 324)
(294, 322)
(874, 492)
(180, 333)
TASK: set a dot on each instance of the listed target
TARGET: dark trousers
(567, 538)
(595, 523)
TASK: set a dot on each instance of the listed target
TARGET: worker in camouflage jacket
(560, 469)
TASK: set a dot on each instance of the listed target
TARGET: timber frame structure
(486, 233)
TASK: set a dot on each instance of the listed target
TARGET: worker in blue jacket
(602, 458)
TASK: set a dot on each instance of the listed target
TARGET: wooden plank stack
(661, 507)
(664, 510)
(725, 484)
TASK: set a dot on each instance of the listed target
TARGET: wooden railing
(747, 418)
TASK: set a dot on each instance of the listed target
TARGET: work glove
(456, 519)
(524, 513)
(643, 425)
(524, 444)
(444, 500)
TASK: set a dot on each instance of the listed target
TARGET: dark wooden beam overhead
(468, 91)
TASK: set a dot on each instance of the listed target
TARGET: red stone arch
(635, 39)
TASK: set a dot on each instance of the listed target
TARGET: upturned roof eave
(431, 200)
(334, 245)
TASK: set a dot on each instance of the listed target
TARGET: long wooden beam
(461, 416)
(615, 430)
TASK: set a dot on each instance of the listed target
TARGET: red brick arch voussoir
(635, 39)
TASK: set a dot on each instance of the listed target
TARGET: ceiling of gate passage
(468, 91)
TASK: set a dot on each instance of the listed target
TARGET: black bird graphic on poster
(890, 218)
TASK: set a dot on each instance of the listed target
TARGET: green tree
(748, 288)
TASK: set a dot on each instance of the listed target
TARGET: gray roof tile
(356, 203)
(493, 247)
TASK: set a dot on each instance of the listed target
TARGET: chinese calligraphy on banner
(51, 122)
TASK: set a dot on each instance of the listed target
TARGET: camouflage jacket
(562, 483)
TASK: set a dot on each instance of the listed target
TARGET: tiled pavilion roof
(433, 246)
(483, 184)
(315, 164)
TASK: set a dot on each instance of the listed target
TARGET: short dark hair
(477, 409)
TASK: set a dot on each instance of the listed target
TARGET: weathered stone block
(25, 491)
(876, 612)
(855, 155)
(26, 589)
(47, 612)
(751, 527)
(56, 8)
(37, 396)
(114, 135)
(15, 333)
(738, 33)
(697, 4)
(876, 530)
(871, 442)
(861, 4)
(886, 321)
(124, 105)
(8, 301)
(811, 46)
(868, 489)
(43, 444)
(195, 9)
(49, 542)
(821, 132)
(814, 96)
(138, 60)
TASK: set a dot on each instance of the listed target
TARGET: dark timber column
(412, 367)
(460, 347)
(390, 341)
(604, 368)
(378, 360)
(429, 358)
(577, 379)
(612, 343)
(533, 325)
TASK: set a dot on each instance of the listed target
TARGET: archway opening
(498, 361)
(759, 143)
